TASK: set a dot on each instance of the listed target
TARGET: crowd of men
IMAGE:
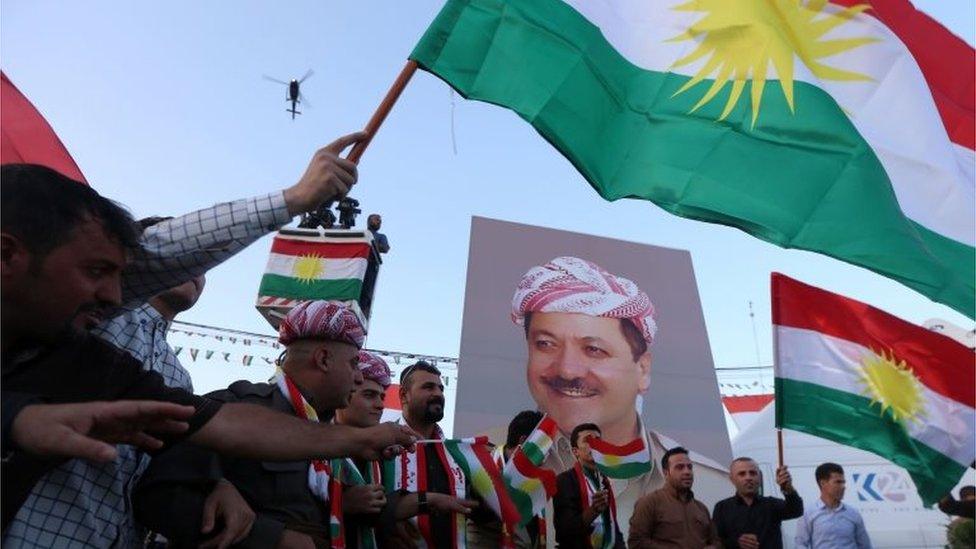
(106, 445)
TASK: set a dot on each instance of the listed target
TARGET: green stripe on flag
(807, 180)
(852, 420)
(293, 288)
(625, 470)
(534, 453)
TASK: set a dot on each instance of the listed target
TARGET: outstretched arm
(254, 432)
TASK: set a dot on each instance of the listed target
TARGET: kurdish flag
(832, 126)
(530, 486)
(856, 375)
(537, 444)
(474, 458)
(311, 268)
(628, 461)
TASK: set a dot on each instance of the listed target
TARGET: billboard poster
(557, 321)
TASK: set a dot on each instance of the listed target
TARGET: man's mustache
(435, 400)
(574, 384)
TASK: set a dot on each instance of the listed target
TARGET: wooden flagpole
(384, 109)
(779, 443)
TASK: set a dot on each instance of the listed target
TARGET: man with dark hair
(422, 402)
(829, 523)
(422, 399)
(749, 520)
(54, 290)
(90, 502)
(519, 429)
(368, 514)
(584, 511)
(42, 210)
(671, 516)
(373, 223)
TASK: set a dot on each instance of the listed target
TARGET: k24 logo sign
(893, 486)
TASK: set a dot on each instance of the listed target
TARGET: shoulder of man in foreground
(244, 391)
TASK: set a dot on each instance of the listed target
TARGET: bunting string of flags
(235, 337)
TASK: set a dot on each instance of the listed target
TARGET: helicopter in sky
(294, 95)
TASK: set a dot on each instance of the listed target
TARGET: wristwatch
(423, 507)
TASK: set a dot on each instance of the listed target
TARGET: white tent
(883, 492)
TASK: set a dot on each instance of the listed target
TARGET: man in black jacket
(584, 509)
(291, 498)
(749, 520)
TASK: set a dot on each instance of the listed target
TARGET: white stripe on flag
(331, 269)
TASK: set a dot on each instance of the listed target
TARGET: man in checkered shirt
(81, 504)
(92, 500)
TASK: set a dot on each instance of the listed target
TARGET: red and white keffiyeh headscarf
(330, 320)
(374, 368)
(573, 285)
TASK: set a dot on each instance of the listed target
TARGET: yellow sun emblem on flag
(307, 268)
(893, 385)
(742, 37)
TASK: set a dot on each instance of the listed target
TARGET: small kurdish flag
(630, 460)
(530, 486)
(853, 374)
(474, 458)
(538, 443)
(310, 268)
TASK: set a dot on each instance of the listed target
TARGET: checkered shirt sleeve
(84, 504)
(178, 249)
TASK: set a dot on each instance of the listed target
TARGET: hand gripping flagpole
(384, 109)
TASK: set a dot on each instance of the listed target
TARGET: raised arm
(178, 249)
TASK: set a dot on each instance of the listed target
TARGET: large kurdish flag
(311, 269)
(826, 126)
(853, 374)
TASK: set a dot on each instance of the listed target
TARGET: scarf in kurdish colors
(408, 472)
(346, 473)
(320, 477)
(605, 526)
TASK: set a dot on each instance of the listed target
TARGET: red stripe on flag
(943, 364)
(746, 403)
(289, 246)
(548, 426)
(530, 470)
(423, 521)
(605, 447)
(26, 137)
(404, 463)
(947, 62)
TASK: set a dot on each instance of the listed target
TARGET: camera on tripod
(325, 218)
(348, 210)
